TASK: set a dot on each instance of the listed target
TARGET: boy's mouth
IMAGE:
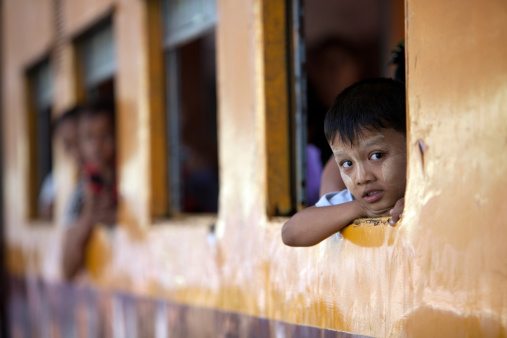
(372, 196)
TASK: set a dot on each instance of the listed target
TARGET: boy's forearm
(74, 246)
(314, 224)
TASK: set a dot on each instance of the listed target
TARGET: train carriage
(223, 87)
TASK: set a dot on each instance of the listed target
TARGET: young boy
(94, 199)
(64, 130)
(366, 130)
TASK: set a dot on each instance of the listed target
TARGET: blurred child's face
(374, 167)
(67, 132)
(97, 143)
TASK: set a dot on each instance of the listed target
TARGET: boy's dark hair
(69, 115)
(98, 108)
(370, 104)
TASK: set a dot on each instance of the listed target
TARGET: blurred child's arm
(76, 238)
(314, 224)
(96, 209)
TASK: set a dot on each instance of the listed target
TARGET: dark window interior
(40, 101)
(102, 91)
(44, 153)
(344, 42)
(193, 126)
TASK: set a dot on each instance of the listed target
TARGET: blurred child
(366, 131)
(94, 199)
(64, 129)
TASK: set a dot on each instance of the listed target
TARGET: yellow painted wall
(456, 217)
(440, 272)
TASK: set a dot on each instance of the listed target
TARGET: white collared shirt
(335, 198)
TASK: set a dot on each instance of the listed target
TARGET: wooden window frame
(284, 81)
(33, 190)
(159, 201)
(164, 141)
(285, 107)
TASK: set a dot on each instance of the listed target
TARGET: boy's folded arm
(75, 239)
(314, 224)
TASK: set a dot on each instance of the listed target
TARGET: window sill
(187, 220)
(369, 232)
(364, 232)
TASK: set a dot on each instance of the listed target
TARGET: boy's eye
(377, 156)
(346, 164)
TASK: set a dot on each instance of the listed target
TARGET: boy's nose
(363, 175)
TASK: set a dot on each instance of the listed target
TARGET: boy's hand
(397, 211)
(365, 212)
(100, 207)
(105, 208)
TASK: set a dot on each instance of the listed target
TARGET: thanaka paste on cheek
(347, 180)
(392, 166)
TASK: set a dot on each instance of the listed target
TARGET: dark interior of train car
(192, 122)
(40, 93)
(343, 42)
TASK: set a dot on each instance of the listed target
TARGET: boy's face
(374, 168)
(96, 139)
(67, 132)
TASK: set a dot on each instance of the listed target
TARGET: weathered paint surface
(441, 272)
(456, 216)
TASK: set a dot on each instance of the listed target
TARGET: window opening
(96, 127)
(97, 65)
(98, 62)
(189, 41)
(334, 44)
(297, 101)
(41, 184)
(185, 20)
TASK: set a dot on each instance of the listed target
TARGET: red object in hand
(96, 181)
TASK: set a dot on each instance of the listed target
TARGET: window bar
(299, 101)
(173, 128)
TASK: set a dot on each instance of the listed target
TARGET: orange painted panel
(440, 272)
